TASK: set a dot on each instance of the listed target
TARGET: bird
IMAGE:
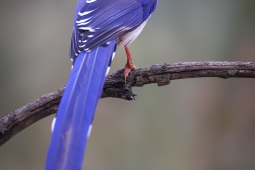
(99, 27)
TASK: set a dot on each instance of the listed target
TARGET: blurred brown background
(192, 124)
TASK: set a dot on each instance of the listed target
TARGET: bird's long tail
(76, 110)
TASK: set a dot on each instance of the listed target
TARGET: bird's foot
(129, 66)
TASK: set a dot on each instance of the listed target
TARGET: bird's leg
(129, 65)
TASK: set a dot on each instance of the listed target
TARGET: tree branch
(114, 86)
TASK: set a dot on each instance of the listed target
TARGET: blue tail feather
(76, 110)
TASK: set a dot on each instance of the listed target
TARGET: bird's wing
(99, 21)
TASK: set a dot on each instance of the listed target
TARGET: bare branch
(114, 86)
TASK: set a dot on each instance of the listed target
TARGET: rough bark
(114, 86)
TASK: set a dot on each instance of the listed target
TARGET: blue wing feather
(102, 21)
(77, 107)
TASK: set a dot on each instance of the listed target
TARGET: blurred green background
(192, 124)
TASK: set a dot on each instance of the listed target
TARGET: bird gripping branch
(99, 26)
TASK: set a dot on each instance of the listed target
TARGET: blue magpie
(99, 26)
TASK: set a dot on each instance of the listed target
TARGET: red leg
(129, 65)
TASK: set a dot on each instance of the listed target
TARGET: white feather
(128, 38)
